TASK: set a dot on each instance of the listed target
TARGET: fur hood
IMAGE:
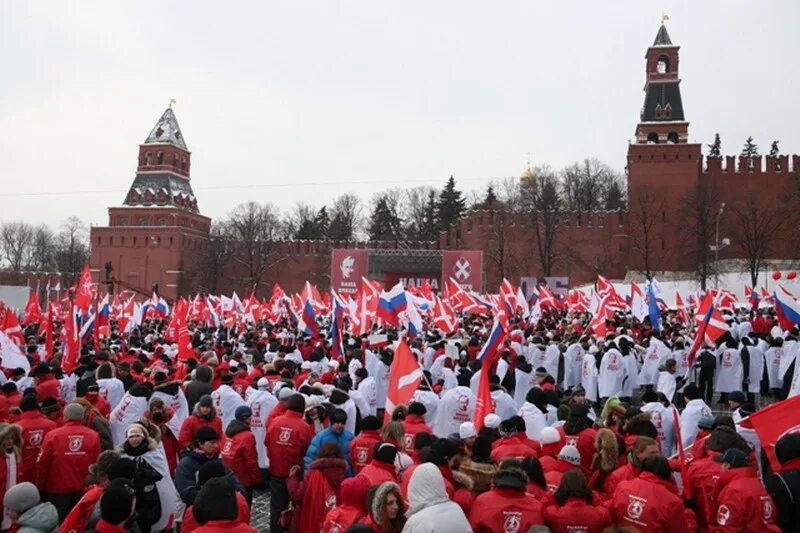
(640, 424)
(211, 414)
(724, 437)
(380, 498)
(168, 387)
(511, 477)
(606, 455)
(463, 480)
(15, 432)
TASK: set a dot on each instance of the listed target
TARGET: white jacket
(457, 406)
(262, 403)
(535, 420)
(430, 510)
(689, 419)
(612, 374)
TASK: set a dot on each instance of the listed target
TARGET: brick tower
(662, 165)
(159, 229)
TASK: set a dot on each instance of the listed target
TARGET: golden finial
(664, 17)
(172, 101)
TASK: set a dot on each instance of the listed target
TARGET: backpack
(148, 503)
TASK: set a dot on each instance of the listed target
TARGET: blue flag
(652, 307)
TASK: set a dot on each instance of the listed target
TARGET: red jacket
(377, 472)
(584, 441)
(239, 453)
(414, 424)
(650, 504)
(225, 526)
(278, 410)
(104, 527)
(192, 424)
(499, 508)
(78, 517)
(554, 475)
(287, 440)
(100, 403)
(340, 518)
(703, 475)
(623, 473)
(34, 427)
(67, 453)
(511, 448)
(576, 515)
(361, 449)
(190, 524)
(48, 387)
(743, 504)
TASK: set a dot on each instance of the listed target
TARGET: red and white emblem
(286, 434)
(35, 437)
(75, 442)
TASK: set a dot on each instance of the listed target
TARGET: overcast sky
(300, 101)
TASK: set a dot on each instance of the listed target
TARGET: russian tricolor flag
(308, 321)
(337, 326)
(787, 308)
(391, 304)
(494, 342)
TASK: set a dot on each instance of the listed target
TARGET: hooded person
(216, 508)
(130, 408)
(199, 386)
(316, 492)
(26, 511)
(507, 504)
(351, 508)
(457, 406)
(239, 451)
(430, 510)
(203, 415)
(226, 400)
(261, 403)
(156, 495)
(111, 388)
(386, 509)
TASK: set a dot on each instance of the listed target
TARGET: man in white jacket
(695, 409)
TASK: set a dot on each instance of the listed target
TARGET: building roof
(167, 131)
(161, 189)
(659, 95)
(662, 37)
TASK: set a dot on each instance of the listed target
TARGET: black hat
(242, 413)
(579, 410)
(209, 470)
(116, 504)
(417, 408)
(788, 447)
(216, 501)
(205, 434)
(29, 403)
(206, 401)
(370, 423)
(338, 416)
(747, 409)
(737, 396)
(734, 457)
(9, 387)
(296, 403)
(49, 405)
(384, 452)
(122, 468)
(691, 391)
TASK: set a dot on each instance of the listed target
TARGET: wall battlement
(766, 165)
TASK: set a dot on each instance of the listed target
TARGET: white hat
(306, 365)
(549, 435)
(262, 384)
(285, 393)
(492, 421)
(570, 454)
(333, 363)
(312, 401)
(467, 430)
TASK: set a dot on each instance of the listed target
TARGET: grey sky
(327, 93)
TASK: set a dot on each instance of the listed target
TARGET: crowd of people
(583, 434)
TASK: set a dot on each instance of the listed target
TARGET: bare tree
(755, 233)
(301, 223)
(647, 217)
(346, 218)
(500, 238)
(419, 213)
(542, 203)
(590, 186)
(698, 218)
(43, 249)
(206, 275)
(252, 230)
(73, 248)
(16, 239)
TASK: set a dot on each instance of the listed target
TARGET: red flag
(484, 404)
(772, 423)
(444, 317)
(48, 331)
(9, 324)
(181, 318)
(405, 376)
(72, 341)
(85, 291)
(33, 313)
(681, 308)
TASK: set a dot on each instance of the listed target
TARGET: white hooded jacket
(430, 510)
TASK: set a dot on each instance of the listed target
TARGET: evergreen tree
(450, 206)
(490, 201)
(773, 151)
(430, 226)
(750, 148)
(307, 231)
(322, 223)
(615, 198)
(714, 149)
(384, 224)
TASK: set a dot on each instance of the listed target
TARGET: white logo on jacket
(75, 443)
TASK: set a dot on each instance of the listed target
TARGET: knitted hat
(384, 452)
(21, 497)
(570, 454)
(737, 396)
(370, 423)
(467, 430)
(579, 410)
(210, 470)
(205, 434)
(206, 401)
(338, 417)
(297, 403)
(242, 413)
(285, 393)
(705, 422)
(74, 411)
(29, 403)
(116, 504)
(549, 435)
(122, 468)
(135, 429)
(491, 421)
(262, 384)
(216, 501)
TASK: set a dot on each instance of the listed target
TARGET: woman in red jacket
(537, 484)
(239, 451)
(572, 507)
(204, 415)
(387, 509)
(351, 508)
(318, 491)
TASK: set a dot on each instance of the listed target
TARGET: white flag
(11, 356)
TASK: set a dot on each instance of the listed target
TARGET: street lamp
(717, 246)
